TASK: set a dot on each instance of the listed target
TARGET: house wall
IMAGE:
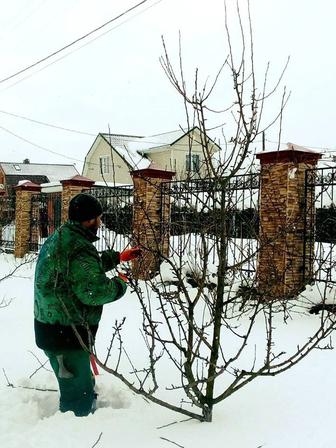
(168, 157)
(163, 158)
(175, 159)
(180, 150)
(91, 169)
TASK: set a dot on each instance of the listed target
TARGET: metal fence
(320, 222)
(45, 217)
(205, 213)
(7, 223)
(116, 230)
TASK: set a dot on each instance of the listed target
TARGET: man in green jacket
(70, 290)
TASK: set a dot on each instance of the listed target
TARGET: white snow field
(296, 409)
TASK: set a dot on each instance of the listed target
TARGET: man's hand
(130, 254)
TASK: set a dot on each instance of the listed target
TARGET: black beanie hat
(84, 207)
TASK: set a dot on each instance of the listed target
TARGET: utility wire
(140, 139)
(38, 146)
(72, 43)
(75, 131)
(44, 148)
(76, 49)
(47, 124)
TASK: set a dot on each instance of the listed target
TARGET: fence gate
(320, 223)
(7, 223)
(206, 211)
(45, 217)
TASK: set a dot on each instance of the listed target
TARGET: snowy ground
(295, 409)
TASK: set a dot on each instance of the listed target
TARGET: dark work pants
(75, 380)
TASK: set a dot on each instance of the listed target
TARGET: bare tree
(204, 318)
(208, 315)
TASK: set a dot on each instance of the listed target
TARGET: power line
(38, 146)
(44, 148)
(54, 53)
(78, 48)
(47, 124)
(139, 140)
(76, 131)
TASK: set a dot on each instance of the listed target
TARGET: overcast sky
(116, 81)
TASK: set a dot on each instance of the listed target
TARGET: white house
(112, 156)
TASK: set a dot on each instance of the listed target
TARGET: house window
(104, 164)
(193, 162)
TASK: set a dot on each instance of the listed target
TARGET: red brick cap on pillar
(79, 180)
(293, 153)
(28, 185)
(153, 171)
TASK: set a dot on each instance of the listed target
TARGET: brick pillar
(72, 187)
(280, 270)
(151, 215)
(2, 206)
(24, 194)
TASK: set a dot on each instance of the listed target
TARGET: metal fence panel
(45, 217)
(7, 223)
(320, 222)
(205, 211)
(116, 230)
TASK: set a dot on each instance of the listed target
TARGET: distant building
(112, 156)
(11, 173)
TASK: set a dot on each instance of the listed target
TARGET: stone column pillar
(24, 194)
(72, 187)
(281, 267)
(2, 211)
(151, 215)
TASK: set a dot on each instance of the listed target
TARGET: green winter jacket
(71, 286)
